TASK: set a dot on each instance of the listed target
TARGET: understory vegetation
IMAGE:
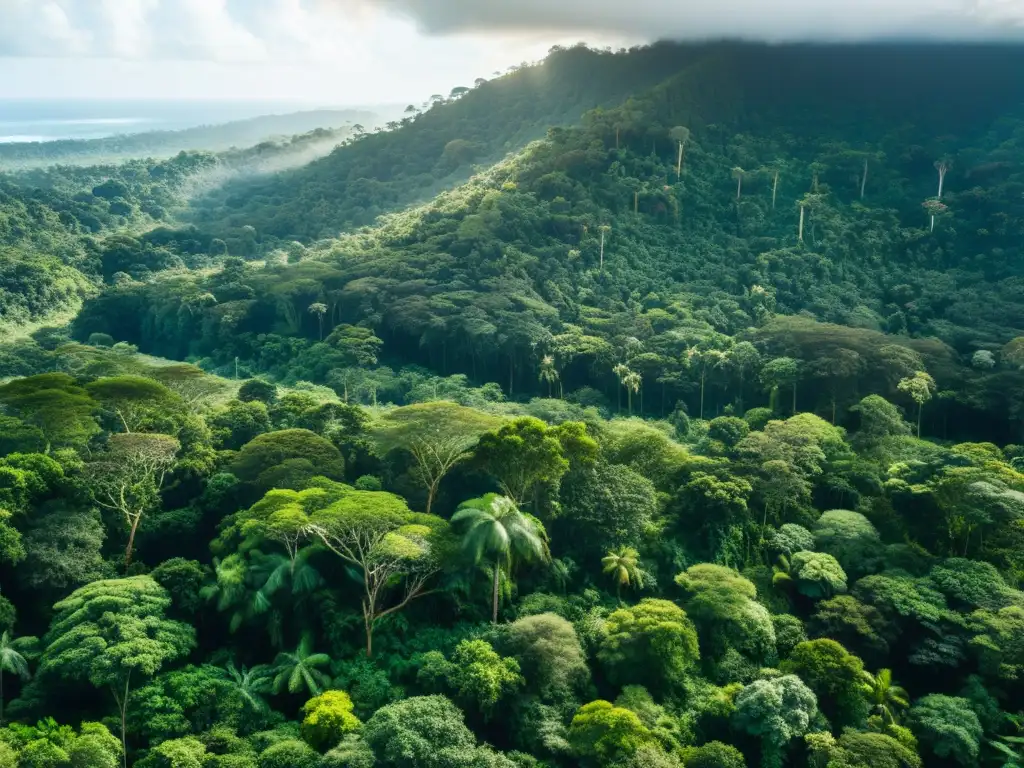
(666, 418)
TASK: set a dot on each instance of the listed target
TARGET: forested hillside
(636, 240)
(682, 427)
(162, 144)
(440, 142)
(66, 229)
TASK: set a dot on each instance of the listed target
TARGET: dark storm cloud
(754, 19)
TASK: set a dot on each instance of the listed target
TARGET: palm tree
(883, 695)
(738, 173)
(1011, 748)
(497, 532)
(299, 670)
(232, 591)
(632, 382)
(623, 565)
(275, 572)
(250, 684)
(319, 309)
(548, 372)
(12, 660)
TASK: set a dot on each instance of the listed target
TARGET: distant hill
(161, 144)
(439, 145)
(808, 187)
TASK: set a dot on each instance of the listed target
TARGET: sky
(332, 52)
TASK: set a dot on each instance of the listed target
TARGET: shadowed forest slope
(754, 182)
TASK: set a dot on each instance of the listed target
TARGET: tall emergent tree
(738, 173)
(604, 229)
(921, 388)
(113, 633)
(935, 206)
(319, 309)
(438, 436)
(375, 533)
(128, 477)
(680, 134)
(549, 373)
(497, 532)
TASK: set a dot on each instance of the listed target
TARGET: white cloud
(32, 27)
(364, 51)
(328, 30)
(214, 30)
(775, 20)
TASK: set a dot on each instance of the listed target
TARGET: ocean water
(49, 120)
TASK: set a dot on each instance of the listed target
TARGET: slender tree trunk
(636, 203)
(702, 379)
(135, 520)
(431, 493)
(494, 595)
(920, 411)
(601, 269)
(864, 179)
(122, 705)
(801, 223)
(775, 189)
(369, 635)
(679, 163)
(616, 138)
(739, 186)
(932, 229)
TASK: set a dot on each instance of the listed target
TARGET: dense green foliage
(598, 459)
